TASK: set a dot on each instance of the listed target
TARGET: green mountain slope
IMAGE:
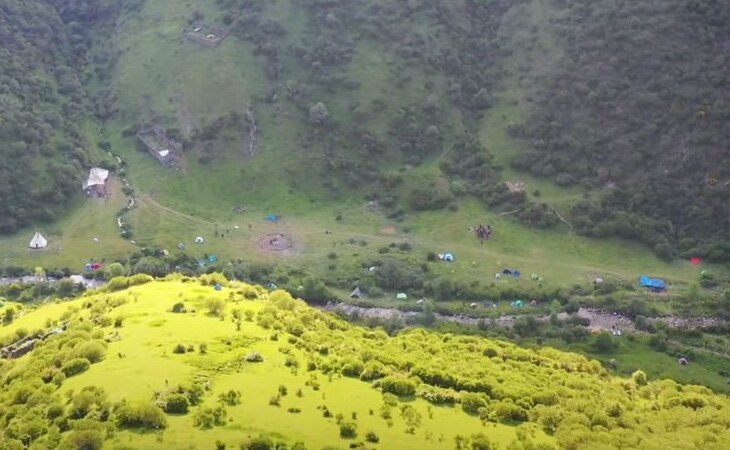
(636, 110)
(42, 106)
(403, 103)
(240, 363)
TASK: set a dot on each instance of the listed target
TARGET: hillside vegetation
(179, 364)
(383, 100)
(42, 107)
(636, 110)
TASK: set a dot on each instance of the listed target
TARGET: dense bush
(348, 429)
(75, 366)
(397, 385)
(144, 415)
(176, 404)
(210, 417)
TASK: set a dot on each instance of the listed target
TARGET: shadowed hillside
(636, 111)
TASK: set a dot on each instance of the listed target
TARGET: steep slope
(41, 104)
(237, 363)
(636, 111)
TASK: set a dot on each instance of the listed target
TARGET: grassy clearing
(632, 355)
(71, 240)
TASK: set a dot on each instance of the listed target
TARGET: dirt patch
(388, 231)
(275, 242)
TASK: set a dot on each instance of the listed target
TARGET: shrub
(85, 440)
(75, 366)
(398, 386)
(140, 278)
(180, 349)
(216, 306)
(294, 410)
(639, 377)
(603, 342)
(291, 361)
(231, 398)
(258, 443)
(117, 284)
(145, 416)
(471, 402)
(373, 370)
(93, 351)
(480, 441)
(254, 357)
(353, 368)
(179, 307)
(177, 404)
(348, 429)
(506, 411)
(372, 437)
(210, 417)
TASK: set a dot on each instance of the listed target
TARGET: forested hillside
(637, 110)
(42, 103)
(386, 100)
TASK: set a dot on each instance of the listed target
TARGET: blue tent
(212, 259)
(513, 272)
(653, 283)
(272, 218)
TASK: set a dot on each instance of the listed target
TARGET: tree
(639, 378)
(114, 270)
(40, 273)
(313, 289)
(603, 342)
(480, 441)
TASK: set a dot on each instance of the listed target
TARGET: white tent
(97, 176)
(38, 241)
(199, 240)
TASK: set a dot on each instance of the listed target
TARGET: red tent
(695, 260)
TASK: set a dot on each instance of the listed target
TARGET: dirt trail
(150, 201)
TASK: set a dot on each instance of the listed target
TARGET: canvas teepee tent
(38, 241)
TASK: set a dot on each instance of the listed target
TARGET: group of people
(483, 232)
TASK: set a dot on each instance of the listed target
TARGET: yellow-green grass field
(310, 364)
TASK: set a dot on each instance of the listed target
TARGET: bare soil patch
(388, 231)
(275, 242)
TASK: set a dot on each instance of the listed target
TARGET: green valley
(517, 211)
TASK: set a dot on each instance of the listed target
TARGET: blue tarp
(272, 217)
(654, 283)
